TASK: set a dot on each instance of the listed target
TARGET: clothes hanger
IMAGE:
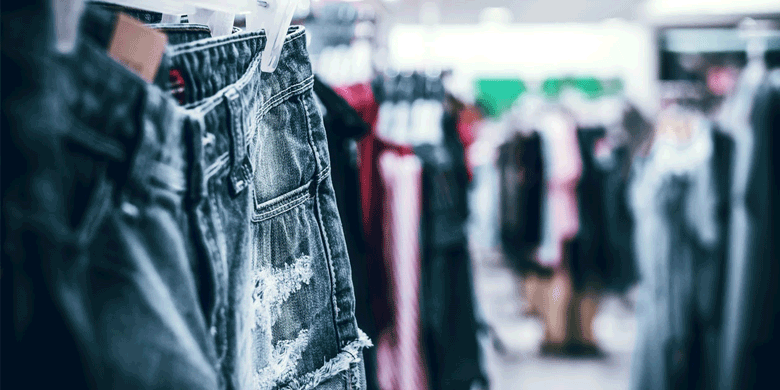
(172, 10)
(273, 16)
(66, 22)
(218, 15)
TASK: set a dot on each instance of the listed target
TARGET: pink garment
(565, 170)
(400, 354)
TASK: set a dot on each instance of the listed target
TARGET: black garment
(449, 322)
(589, 264)
(344, 126)
(604, 257)
(752, 334)
(521, 171)
(622, 272)
(38, 348)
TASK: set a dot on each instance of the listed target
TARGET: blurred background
(587, 181)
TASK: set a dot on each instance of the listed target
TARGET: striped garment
(400, 354)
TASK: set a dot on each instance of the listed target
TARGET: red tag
(177, 85)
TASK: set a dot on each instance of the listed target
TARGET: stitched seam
(284, 203)
(285, 94)
(280, 202)
(323, 233)
(217, 222)
(216, 166)
(188, 48)
(205, 105)
(193, 46)
(283, 208)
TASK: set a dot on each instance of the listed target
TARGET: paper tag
(137, 47)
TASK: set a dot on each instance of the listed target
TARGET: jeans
(203, 245)
(107, 242)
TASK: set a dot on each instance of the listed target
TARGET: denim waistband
(209, 66)
(219, 81)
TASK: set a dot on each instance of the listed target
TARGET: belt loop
(240, 167)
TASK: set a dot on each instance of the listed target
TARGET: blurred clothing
(186, 241)
(563, 168)
(679, 196)
(521, 168)
(753, 310)
(400, 350)
(447, 285)
(344, 127)
(604, 258)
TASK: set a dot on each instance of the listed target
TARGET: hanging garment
(679, 197)
(522, 174)
(447, 285)
(753, 311)
(562, 174)
(604, 258)
(735, 119)
(589, 268)
(621, 272)
(400, 349)
(210, 224)
(344, 127)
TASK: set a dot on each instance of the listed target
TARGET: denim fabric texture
(202, 245)
(268, 220)
(121, 278)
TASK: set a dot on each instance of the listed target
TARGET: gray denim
(126, 280)
(282, 311)
(202, 245)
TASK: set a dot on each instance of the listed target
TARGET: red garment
(361, 98)
(391, 193)
(468, 119)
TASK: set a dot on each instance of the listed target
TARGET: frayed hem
(349, 355)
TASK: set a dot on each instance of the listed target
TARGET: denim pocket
(291, 293)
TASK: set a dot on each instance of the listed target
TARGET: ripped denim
(246, 282)
(281, 306)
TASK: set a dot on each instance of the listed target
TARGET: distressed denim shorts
(208, 252)
(281, 306)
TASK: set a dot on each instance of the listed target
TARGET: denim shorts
(203, 247)
(282, 305)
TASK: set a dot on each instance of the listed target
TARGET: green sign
(497, 95)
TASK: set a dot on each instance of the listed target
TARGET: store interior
(533, 194)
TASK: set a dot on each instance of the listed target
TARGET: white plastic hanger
(219, 15)
(273, 16)
(172, 10)
(66, 22)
